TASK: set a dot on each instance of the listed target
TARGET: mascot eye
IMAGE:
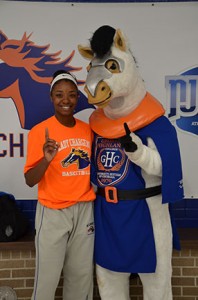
(88, 67)
(113, 66)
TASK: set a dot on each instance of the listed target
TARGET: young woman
(58, 160)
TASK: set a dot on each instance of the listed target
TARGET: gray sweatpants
(64, 241)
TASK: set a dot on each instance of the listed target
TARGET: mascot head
(113, 82)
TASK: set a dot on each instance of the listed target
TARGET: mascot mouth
(102, 103)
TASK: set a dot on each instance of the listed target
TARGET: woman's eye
(72, 96)
(59, 95)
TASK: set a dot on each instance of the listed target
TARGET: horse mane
(81, 153)
(102, 40)
(35, 59)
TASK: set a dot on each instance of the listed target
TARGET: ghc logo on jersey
(111, 161)
(182, 98)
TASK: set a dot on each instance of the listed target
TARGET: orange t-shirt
(67, 179)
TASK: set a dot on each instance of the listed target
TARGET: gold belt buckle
(111, 198)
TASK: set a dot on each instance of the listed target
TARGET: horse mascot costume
(137, 171)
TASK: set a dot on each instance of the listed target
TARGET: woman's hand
(50, 148)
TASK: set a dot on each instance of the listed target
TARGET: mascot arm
(146, 157)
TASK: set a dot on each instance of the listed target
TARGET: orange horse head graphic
(26, 71)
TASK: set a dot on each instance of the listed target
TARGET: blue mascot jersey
(124, 240)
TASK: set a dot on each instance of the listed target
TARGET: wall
(185, 212)
(17, 262)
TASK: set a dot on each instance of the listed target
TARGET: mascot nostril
(134, 149)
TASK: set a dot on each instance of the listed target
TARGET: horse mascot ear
(119, 42)
(86, 52)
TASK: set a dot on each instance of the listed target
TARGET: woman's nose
(65, 98)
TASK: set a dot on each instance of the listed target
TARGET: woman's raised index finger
(46, 134)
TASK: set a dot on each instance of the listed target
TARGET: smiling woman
(61, 168)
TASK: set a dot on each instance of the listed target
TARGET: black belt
(112, 194)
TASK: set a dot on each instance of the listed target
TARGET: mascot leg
(112, 285)
(157, 286)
